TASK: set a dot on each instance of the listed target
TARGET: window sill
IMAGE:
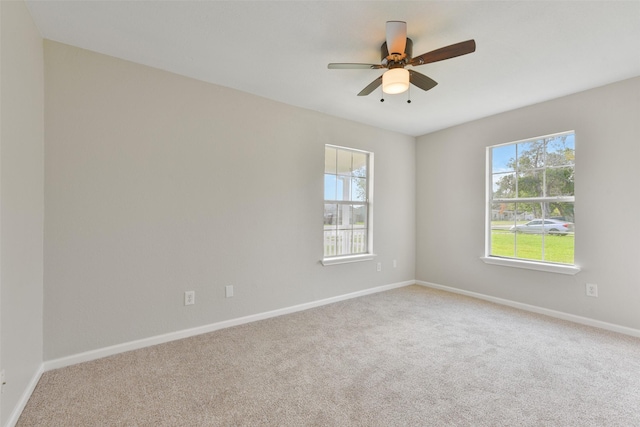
(347, 259)
(532, 265)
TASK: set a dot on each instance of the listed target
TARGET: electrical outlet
(189, 297)
(228, 291)
(3, 381)
(395, 263)
(379, 267)
(592, 290)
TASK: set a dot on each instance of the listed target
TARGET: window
(530, 209)
(347, 204)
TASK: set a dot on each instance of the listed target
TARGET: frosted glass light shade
(396, 80)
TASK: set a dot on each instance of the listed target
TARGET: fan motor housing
(408, 50)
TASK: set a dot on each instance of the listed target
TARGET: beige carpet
(408, 357)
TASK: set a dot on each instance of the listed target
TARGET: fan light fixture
(396, 53)
(395, 80)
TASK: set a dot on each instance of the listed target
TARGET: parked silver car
(539, 226)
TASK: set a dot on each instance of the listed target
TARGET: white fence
(343, 242)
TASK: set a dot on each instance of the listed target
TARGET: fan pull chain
(408, 95)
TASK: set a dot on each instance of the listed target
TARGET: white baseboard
(24, 398)
(540, 310)
(160, 339)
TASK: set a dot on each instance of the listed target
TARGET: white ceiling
(527, 51)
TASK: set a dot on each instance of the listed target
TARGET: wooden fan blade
(446, 52)
(352, 66)
(371, 87)
(422, 81)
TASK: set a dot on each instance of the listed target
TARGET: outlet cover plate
(189, 297)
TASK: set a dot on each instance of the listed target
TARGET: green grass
(507, 223)
(529, 246)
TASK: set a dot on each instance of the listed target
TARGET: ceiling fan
(396, 54)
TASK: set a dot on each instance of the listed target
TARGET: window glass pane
(503, 158)
(502, 243)
(504, 185)
(344, 162)
(330, 215)
(344, 227)
(330, 160)
(559, 247)
(360, 216)
(353, 230)
(330, 231)
(527, 212)
(343, 242)
(531, 155)
(330, 183)
(330, 242)
(359, 164)
(359, 240)
(502, 237)
(528, 231)
(358, 189)
(343, 188)
(562, 211)
(529, 246)
(561, 150)
(559, 181)
(531, 183)
(344, 216)
(503, 214)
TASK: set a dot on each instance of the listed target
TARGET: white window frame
(520, 262)
(368, 255)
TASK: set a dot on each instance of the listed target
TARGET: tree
(542, 168)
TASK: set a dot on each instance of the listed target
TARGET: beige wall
(22, 203)
(451, 205)
(157, 184)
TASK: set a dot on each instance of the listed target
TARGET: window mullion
(554, 199)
